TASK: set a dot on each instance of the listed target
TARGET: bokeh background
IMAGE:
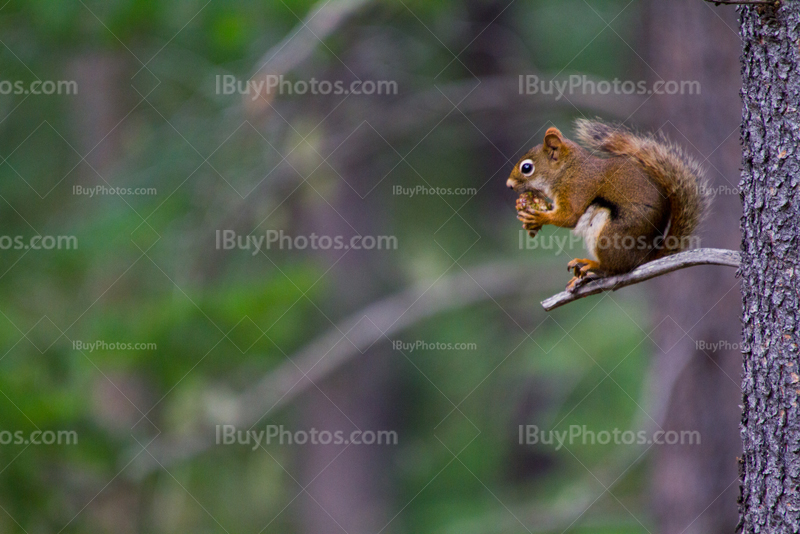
(440, 339)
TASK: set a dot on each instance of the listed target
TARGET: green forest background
(147, 270)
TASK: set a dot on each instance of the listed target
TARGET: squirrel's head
(542, 164)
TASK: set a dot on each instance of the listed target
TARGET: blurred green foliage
(146, 271)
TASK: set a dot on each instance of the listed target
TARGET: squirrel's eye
(526, 167)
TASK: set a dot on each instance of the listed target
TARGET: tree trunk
(770, 500)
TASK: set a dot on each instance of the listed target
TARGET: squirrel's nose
(510, 183)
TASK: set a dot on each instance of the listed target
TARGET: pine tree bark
(770, 500)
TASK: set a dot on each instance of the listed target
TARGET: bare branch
(323, 19)
(330, 351)
(700, 256)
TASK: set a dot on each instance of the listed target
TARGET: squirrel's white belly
(590, 225)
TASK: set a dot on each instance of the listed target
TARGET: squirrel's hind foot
(584, 270)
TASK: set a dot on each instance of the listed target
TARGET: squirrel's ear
(553, 138)
(554, 142)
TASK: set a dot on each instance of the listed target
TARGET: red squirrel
(633, 198)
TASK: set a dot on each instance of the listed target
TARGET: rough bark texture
(770, 269)
(694, 487)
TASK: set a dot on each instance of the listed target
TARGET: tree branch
(333, 349)
(323, 19)
(700, 256)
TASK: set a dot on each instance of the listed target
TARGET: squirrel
(633, 198)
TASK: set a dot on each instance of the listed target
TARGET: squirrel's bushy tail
(667, 164)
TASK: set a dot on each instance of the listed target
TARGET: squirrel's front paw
(531, 220)
(529, 223)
